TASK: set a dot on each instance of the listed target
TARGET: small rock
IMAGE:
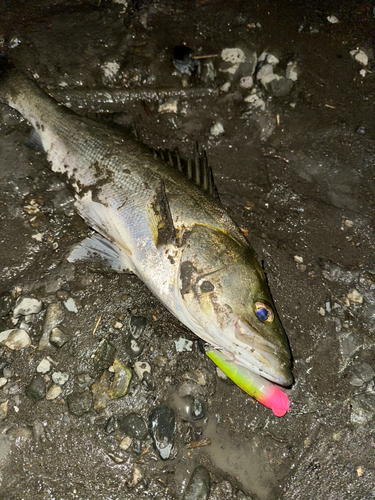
(15, 339)
(4, 410)
(133, 425)
(291, 71)
(332, 19)
(279, 86)
(322, 311)
(183, 345)
(121, 380)
(3, 381)
(149, 381)
(169, 106)
(355, 297)
(361, 374)
(191, 408)
(54, 316)
(162, 427)
(44, 366)
(37, 388)
(26, 306)
(198, 487)
(111, 425)
(79, 402)
(137, 474)
(53, 392)
(140, 368)
(361, 130)
(104, 355)
(233, 57)
(126, 443)
(360, 56)
(133, 347)
(359, 415)
(137, 326)
(196, 376)
(298, 259)
(217, 129)
(58, 338)
(71, 305)
(100, 391)
(246, 82)
(60, 378)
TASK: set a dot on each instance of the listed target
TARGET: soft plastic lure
(256, 386)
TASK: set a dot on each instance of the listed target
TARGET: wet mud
(296, 174)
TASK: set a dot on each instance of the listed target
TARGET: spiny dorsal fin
(196, 169)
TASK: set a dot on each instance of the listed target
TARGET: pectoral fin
(98, 249)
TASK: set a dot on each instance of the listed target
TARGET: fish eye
(263, 312)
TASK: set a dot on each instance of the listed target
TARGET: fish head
(227, 302)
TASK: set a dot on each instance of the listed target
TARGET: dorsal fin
(196, 169)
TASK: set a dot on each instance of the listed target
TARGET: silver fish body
(155, 222)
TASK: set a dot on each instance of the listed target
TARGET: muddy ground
(297, 175)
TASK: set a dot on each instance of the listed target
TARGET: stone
(133, 425)
(140, 368)
(58, 338)
(121, 381)
(79, 402)
(53, 392)
(71, 305)
(53, 317)
(104, 355)
(198, 487)
(60, 378)
(16, 339)
(137, 326)
(44, 366)
(162, 428)
(100, 391)
(37, 388)
(26, 306)
(133, 347)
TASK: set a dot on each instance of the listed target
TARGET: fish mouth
(261, 356)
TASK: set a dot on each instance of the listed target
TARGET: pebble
(121, 380)
(162, 428)
(133, 347)
(126, 443)
(100, 391)
(183, 345)
(332, 19)
(79, 402)
(169, 106)
(54, 316)
(44, 366)
(111, 425)
(196, 376)
(361, 374)
(71, 305)
(355, 297)
(3, 381)
(37, 388)
(53, 392)
(137, 474)
(198, 487)
(16, 339)
(359, 415)
(278, 86)
(104, 355)
(137, 326)
(133, 425)
(291, 71)
(298, 259)
(234, 57)
(360, 56)
(334, 272)
(255, 101)
(26, 306)
(216, 129)
(149, 381)
(192, 408)
(58, 338)
(140, 368)
(60, 378)
(4, 410)
(246, 82)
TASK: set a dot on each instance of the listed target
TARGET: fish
(168, 228)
